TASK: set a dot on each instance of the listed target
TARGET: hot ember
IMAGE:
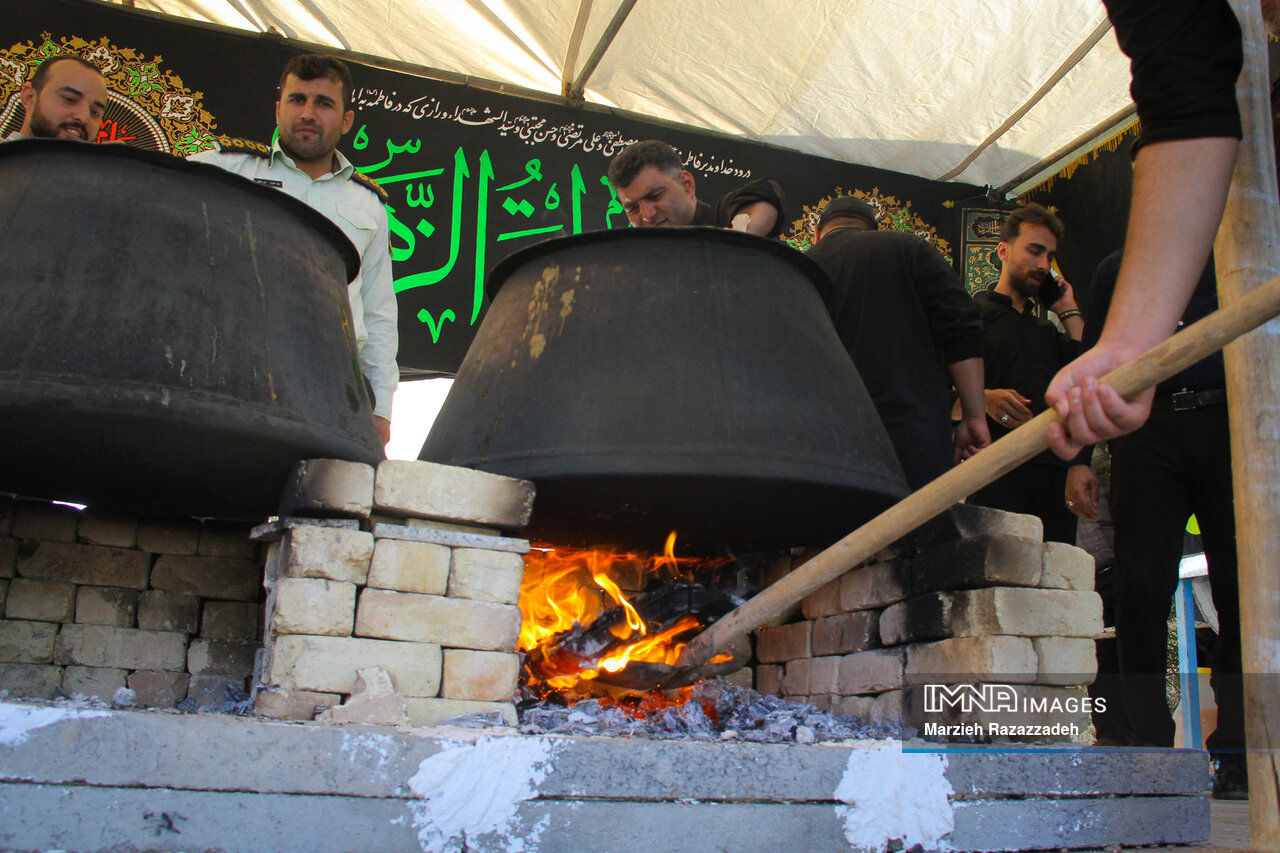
(595, 620)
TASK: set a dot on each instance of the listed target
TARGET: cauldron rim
(703, 234)
(163, 160)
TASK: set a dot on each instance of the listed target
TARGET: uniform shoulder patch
(371, 185)
(235, 145)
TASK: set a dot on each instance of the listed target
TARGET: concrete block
(102, 682)
(1067, 567)
(8, 556)
(768, 679)
(120, 648)
(872, 671)
(846, 633)
(795, 678)
(433, 712)
(437, 524)
(409, 567)
(854, 706)
(824, 674)
(110, 529)
(231, 620)
(741, 678)
(1066, 660)
(375, 701)
(874, 586)
(889, 708)
(207, 577)
(158, 689)
(429, 531)
(785, 643)
(292, 704)
(107, 605)
(207, 692)
(328, 488)
(969, 659)
(329, 664)
(328, 552)
(989, 560)
(1027, 612)
(313, 606)
(44, 521)
(274, 531)
(223, 657)
(486, 575)
(824, 601)
(85, 564)
(41, 600)
(168, 611)
(482, 676)
(453, 622)
(228, 539)
(30, 680)
(428, 490)
(169, 535)
(821, 701)
(921, 618)
(27, 642)
(967, 521)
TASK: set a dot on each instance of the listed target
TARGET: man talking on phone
(1022, 351)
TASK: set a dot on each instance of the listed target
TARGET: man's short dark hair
(42, 71)
(1036, 215)
(312, 66)
(638, 156)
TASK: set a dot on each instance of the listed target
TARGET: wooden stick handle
(1179, 352)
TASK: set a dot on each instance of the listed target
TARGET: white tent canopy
(989, 92)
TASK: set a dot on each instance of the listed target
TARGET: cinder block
(168, 611)
(208, 692)
(313, 606)
(785, 643)
(120, 648)
(795, 678)
(107, 605)
(328, 552)
(85, 564)
(409, 567)
(1027, 612)
(1066, 660)
(824, 601)
(454, 622)
(45, 522)
(226, 539)
(110, 529)
(968, 521)
(999, 658)
(874, 586)
(846, 633)
(992, 560)
(27, 642)
(328, 488)
(8, 556)
(223, 657)
(30, 680)
(231, 620)
(293, 704)
(437, 524)
(921, 618)
(480, 676)
(433, 712)
(329, 664)
(1067, 567)
(44, 601)
(824, 674)
(768, 679)
(102, 682)
(872, 671)
(428, 490)
(486, 575)
(169, 535)
(158, 689)
(207, 577)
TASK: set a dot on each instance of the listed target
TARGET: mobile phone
(1050, 289)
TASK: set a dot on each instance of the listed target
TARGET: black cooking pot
(174, 337)
(656, 379)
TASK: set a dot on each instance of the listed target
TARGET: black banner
(473, 175)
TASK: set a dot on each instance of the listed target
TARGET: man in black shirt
(1022, 352)
(906, 321)
(656, 191)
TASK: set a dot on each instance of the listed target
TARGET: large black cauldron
(173, 337)
(659, 379)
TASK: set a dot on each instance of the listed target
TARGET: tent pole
(579, 86)
(575, 43)
(1246, 256)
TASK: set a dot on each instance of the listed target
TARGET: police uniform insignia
(371, 185)
(235, 145)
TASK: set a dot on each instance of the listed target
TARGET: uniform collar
(1007, 301)
(343, 172)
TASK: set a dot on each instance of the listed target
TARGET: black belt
(1185, 401)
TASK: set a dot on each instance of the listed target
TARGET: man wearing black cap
(907, 322)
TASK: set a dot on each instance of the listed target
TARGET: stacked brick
(93, 602)
(404, 567)
(978, 597)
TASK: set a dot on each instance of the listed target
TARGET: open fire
(596, 622)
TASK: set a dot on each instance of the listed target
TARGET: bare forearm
(967, 375)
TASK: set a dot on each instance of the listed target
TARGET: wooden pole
(1246, 255)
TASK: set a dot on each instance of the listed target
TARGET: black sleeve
(954, 321)
(761, 189)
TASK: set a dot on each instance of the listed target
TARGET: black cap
(847, 205)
